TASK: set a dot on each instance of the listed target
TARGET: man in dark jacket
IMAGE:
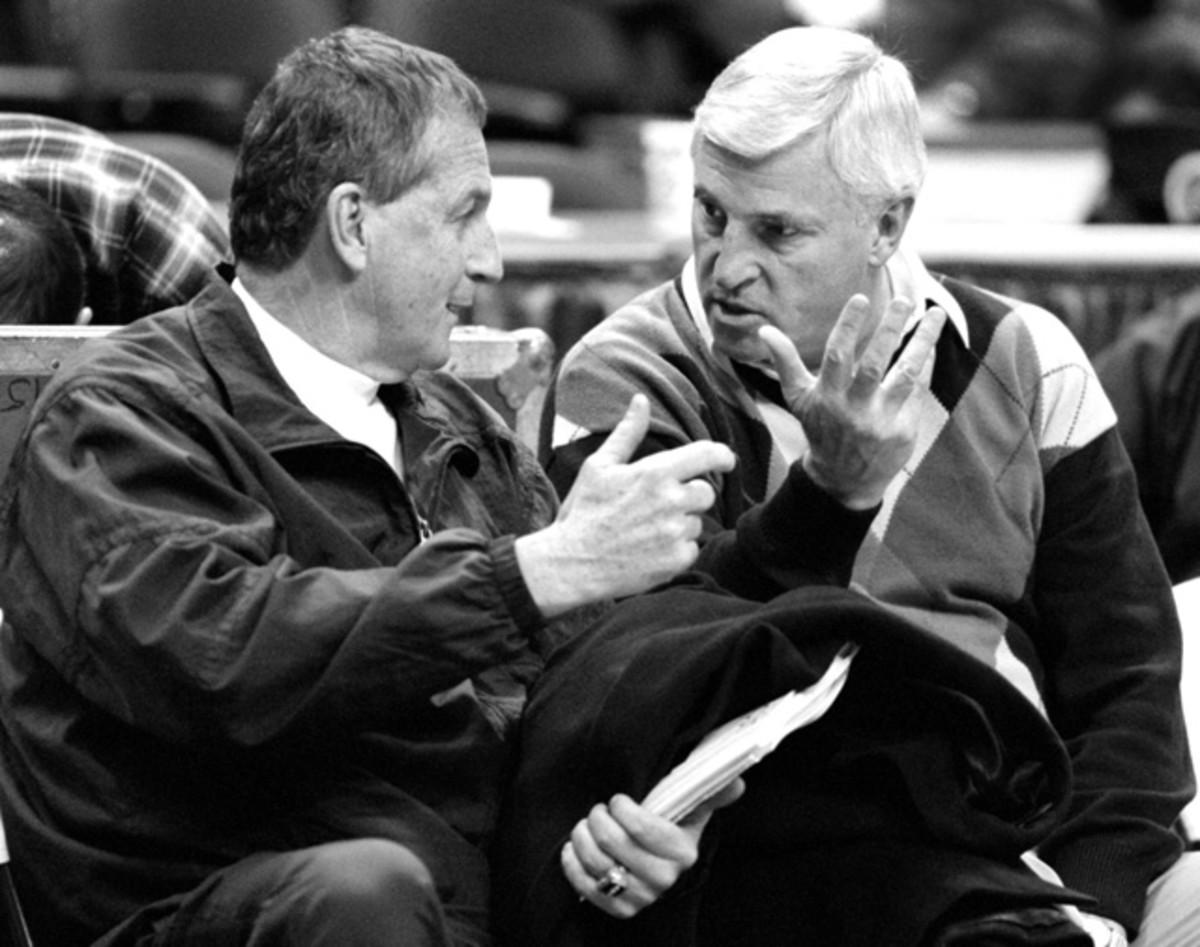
(274, 587)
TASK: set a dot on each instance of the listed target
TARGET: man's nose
(736, 261)
(484, 263)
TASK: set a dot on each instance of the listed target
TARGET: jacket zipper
(423, 530)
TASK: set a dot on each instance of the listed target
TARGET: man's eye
(777, 231)
(712, 214)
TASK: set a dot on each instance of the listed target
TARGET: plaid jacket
(149, 237)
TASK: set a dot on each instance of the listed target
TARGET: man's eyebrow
(778, 217)
(474, 196)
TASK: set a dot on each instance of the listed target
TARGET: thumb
(794, 376)
(624, 439)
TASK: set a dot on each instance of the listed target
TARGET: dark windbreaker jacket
(222, 634)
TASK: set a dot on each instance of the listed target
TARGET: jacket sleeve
(149, 564)
(1112, 652)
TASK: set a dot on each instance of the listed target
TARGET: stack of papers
(735, 746)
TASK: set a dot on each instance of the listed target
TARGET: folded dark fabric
(1031, 927)
(907, 804)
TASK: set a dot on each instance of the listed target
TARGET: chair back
(243, 38)
(188, 66)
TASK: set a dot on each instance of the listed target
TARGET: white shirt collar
(910, 278)
(341, 396)
(695, 304)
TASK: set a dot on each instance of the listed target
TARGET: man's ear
(889, 229)
(345, 215)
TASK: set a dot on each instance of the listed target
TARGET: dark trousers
(365, 892)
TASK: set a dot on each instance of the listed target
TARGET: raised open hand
(859, 415)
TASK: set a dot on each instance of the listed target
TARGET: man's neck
(292, 296)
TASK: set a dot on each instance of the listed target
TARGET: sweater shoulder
(1026, 354)
(655, 323)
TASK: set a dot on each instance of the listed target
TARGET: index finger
(689, 461)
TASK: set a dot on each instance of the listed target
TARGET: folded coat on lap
(900, 813)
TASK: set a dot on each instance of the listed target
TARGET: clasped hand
(648, 851)
(859, 415)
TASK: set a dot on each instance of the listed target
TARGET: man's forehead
(783, 184)
(456, 151)
(750, 189)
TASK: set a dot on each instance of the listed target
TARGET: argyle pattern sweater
(1014, 531)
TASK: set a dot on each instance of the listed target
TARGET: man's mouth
(728, 309)
(461, 310)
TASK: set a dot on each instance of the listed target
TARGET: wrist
(857, 499)
(558, 572)
(535, 560)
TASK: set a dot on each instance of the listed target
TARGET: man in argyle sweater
(1014, 530)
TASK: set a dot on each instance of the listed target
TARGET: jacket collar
(258, 397)
(255, 393)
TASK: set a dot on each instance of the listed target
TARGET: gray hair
(350, 106)
(809, 80)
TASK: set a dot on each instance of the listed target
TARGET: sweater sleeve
(798, 536)
(1112, 651)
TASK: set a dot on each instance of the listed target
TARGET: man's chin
(742, 347)
(436, 361)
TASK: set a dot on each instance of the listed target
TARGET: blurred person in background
(41, 266)
(680, 45)
(1150, 117)
(1152, 375)
(149, 238)
(1009, 60)
(1152, 371)
(971, 59)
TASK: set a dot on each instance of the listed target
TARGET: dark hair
(350, 106)
(41, 265)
